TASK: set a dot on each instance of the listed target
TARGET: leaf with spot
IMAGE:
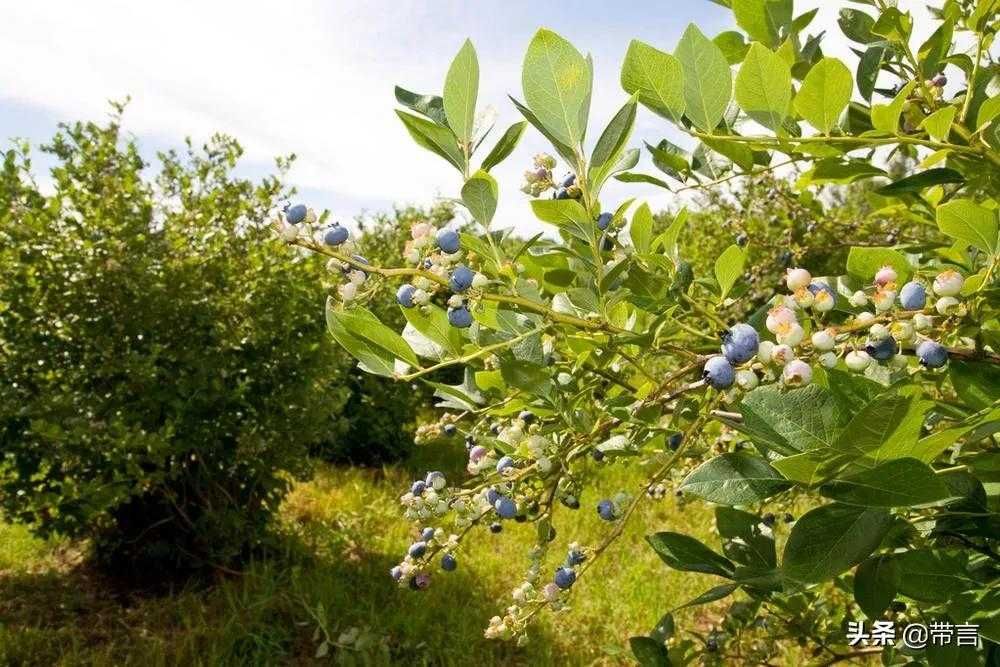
(557, 81)
(656, 78)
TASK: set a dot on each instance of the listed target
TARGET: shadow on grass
(340, 534)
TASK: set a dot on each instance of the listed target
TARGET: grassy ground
(345, 532)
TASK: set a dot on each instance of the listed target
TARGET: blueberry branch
(469, 357)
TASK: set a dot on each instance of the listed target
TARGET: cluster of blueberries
(460, 280)
(741, 342)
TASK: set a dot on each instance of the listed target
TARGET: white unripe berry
(859, 299)
(803, 298)
(865, 317)
(797, 278)
(347, 292)
(778, 317)
(797, 373)
(824, 340)
(902, 330)
(857, 360)
(782, 354)
(479, 281)
(946, 304)
(885, 276)
(948, 283)
(884, 299)
(823, 301)
(923, 322)
(746, 379)
(765, 350)
(791, 335)
(289, 233)
(878, 331)
(828, 359)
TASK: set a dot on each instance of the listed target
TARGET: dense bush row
(165, 373)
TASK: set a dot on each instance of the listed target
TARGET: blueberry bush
(164, 371)
(842, 420)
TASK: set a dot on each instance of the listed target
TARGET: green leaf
(641, 229)
(432, 321)
(557, 81)
(898, 483)
(567, 214)
(970, 223)
(976, 383)
(831, 539)
(480, 194)
(668, 239)
(439, 140)
(683, 552)
(935, 49)
(931, 575)
(526, 377)
(608, 149)
(824, 94)
(894, 25)
(656, 78)
(729, 268)
(875, 585)
(461, 87)
(763, 20)
(733, 46)
(989, 110)
(885, 117)
(505, 146)
(834, 170)
(919, 181)
(746, 540)
(371, 358)
(864, 263)
(364, 324)
(736, 478)
(565, 151)
(764, 87)
(708, 82)
(938, 124)
(635, 177)
(430, 106)
(857, 26)
(869, 65)
(789, 422)
(649, 652)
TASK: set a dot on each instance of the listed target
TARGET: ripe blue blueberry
(461, 279)
(448, 240)
(882, 349)
(604, 221)
(492, 496)
(404, 295)
(427, 534)
(675, 440)
(505, 507)
(575, 557)
(817, 286)
(360, 260)
(448, 563)
(560, 193)
(606, 510)
(427, 263)
(296, 214)
(335, 235)
(449, 429)
(932, 354)
(718, 373)
(526, 416)
(913, 296)
(417, 549)
(460, 317)
(739, 344)
(504, 463)
(569, 180)
(435, 480)
(564, 577)
(418, 487)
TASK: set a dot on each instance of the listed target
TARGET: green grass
(344, 531)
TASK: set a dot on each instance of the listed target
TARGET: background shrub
(166, 368)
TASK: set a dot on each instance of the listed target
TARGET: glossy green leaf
(967, 221)
(869, 66)
(439, 140)
(505, 146)
(885, 117)
(362, 323)
(734, 46)
(763, 20)
(857, 25)
(430, 106)
(480, 195)
(824, 94)
(938, 124)
(656, 78)
(708, 82)
(641, 229)
(746, 540)
(683, 552)
(764, 87)
(875, 585)
(735, 478)
(898, 483)
(565, 151)
(648, 652)
(461, 87)
(932, 575)
(831, 539)
(432, 321)
(729, 268)
(611, 144)
(920, 181)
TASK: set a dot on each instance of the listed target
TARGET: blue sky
(316, 79)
